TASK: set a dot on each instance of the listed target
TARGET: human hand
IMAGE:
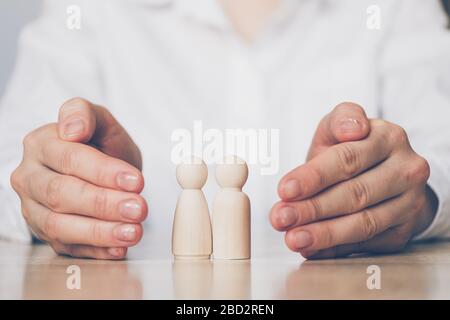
(362, 189)
(79, 183)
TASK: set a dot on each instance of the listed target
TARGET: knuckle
(398, 135)
(68, 163)
(369, 224)
(383, 137)
(329, 237)
(359, 194)
(16, 179)
(95, 233)
(50, 227)
(314, 207)
(349, 159)
(419, 171)
(30, 140)
(33, 138)
(102, 175)
(54, 191)
(101, 203)
(319, 176)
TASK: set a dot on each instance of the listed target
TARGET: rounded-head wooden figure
(231, 211)
(191, 234)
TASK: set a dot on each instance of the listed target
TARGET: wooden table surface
(422, 271)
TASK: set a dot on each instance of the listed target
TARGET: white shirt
(161, 65)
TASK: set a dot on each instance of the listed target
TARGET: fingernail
(291, 188)
(126, 233)
(127, 181)
(303, 239)
(350, 125)
(287, 216)
(130, 209)
(115, 252)
(73, 128)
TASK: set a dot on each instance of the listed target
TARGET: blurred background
(14, 14)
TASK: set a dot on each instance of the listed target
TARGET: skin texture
(79, 183)
(362, 189)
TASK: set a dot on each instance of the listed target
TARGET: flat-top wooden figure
(231, 211)
(191, 233)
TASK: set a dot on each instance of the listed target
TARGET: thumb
(77, 120)
(82, 121)
(347, 122)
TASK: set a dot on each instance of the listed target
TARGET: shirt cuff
(439, 182)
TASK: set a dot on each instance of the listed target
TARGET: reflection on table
(150, 272)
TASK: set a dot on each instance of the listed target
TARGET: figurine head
(232, 172)
(192, 173)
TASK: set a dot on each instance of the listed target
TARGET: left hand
(363, 189)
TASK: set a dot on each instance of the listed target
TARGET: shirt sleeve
(54, 63)
(415, 93)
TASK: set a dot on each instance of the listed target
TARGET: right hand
(79, 183)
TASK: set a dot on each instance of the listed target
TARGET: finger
(83, 251)
(77, 120)
(73, 229)
(82, 121)
(91, 165)
(357, 227)
(67, 194)
(337, 163)
(347, 122)
(383, 182)
(389, 241)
